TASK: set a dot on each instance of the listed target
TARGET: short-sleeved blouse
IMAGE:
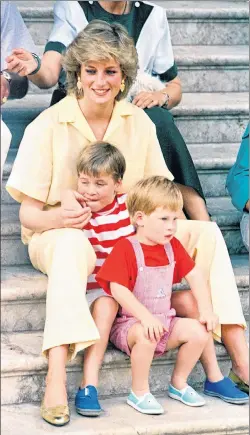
(46, 161)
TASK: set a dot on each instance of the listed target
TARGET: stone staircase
(210, 41)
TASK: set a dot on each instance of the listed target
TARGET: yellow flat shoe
(56, 415)
(239, 382)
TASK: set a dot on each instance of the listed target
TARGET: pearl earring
(137, 4)
(122, 87)
(91, 3)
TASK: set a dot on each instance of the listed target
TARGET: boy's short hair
(101, 158)
(153, 192)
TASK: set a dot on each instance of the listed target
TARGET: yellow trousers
(67, 257)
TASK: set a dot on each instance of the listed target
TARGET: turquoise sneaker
(187, 395)
(146, 404)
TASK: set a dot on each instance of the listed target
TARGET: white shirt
(14, 33)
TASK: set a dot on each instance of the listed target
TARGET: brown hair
(153, 192)
(101, 158)
(101, 41)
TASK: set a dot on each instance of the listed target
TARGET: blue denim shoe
(187, 395)
(86, 402)
(226, 390)
(146, 404)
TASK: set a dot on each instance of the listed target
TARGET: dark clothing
(174, 149)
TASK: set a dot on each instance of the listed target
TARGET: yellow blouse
(46, 160)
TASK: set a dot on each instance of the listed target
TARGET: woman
(100, 64)
(148, 26)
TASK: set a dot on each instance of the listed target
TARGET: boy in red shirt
(139, 274)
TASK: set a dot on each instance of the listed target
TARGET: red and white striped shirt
(104, 230)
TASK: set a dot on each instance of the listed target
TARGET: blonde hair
(101, 158)
(101, 41)
(153, 192)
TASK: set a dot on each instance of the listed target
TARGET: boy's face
(159, 227)
(98, 192)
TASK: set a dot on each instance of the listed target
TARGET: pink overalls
(153, 288)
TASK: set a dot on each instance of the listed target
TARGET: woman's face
(101, 81)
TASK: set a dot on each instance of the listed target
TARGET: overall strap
(169, 252)
(138, 252)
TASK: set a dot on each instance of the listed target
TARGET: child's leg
(192, 337)
(142, 353)
(186, 306)
(104, 311)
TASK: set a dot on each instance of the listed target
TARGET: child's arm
(153, 328)
(202, 295)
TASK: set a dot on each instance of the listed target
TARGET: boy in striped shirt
(101, 167)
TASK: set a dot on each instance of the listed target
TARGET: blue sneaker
(86, 402)
(187, 395)
(146, 404)
(226, 390)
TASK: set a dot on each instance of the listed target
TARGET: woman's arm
(202, 295)
(23, 63)
(70, 214)
(174, 91)
(34, 217)
(153, 328)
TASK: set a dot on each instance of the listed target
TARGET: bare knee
(185, 304)
(104, 311)
(198, 332)
(140, 337)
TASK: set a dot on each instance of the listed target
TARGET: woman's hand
(74, 212)
(210, 319)
(153, 328)
(149, 99)
(5, 89)
(21, 62)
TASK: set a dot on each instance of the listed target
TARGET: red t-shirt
(121, 267)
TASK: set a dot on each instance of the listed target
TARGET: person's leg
(179, 162)
(142, 353)
(233, 338)
(191, 337)
(55, 392)
(104, 311)
(185, 305)
(194, 204)
(5, 144)
(204, 241)
(244, 228)
(67, 258)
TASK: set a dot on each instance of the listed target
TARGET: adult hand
(153, 328)
(74, 212)
(21, 62)
(5, 89)
(210, 319)
(149, 99)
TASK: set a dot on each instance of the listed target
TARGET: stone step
(13, 251)
(201, 117)
(23, 370)
(23, 295)
(212, 162)
(120, 419)
(191, 23)
(203, 69)
(213, 68)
